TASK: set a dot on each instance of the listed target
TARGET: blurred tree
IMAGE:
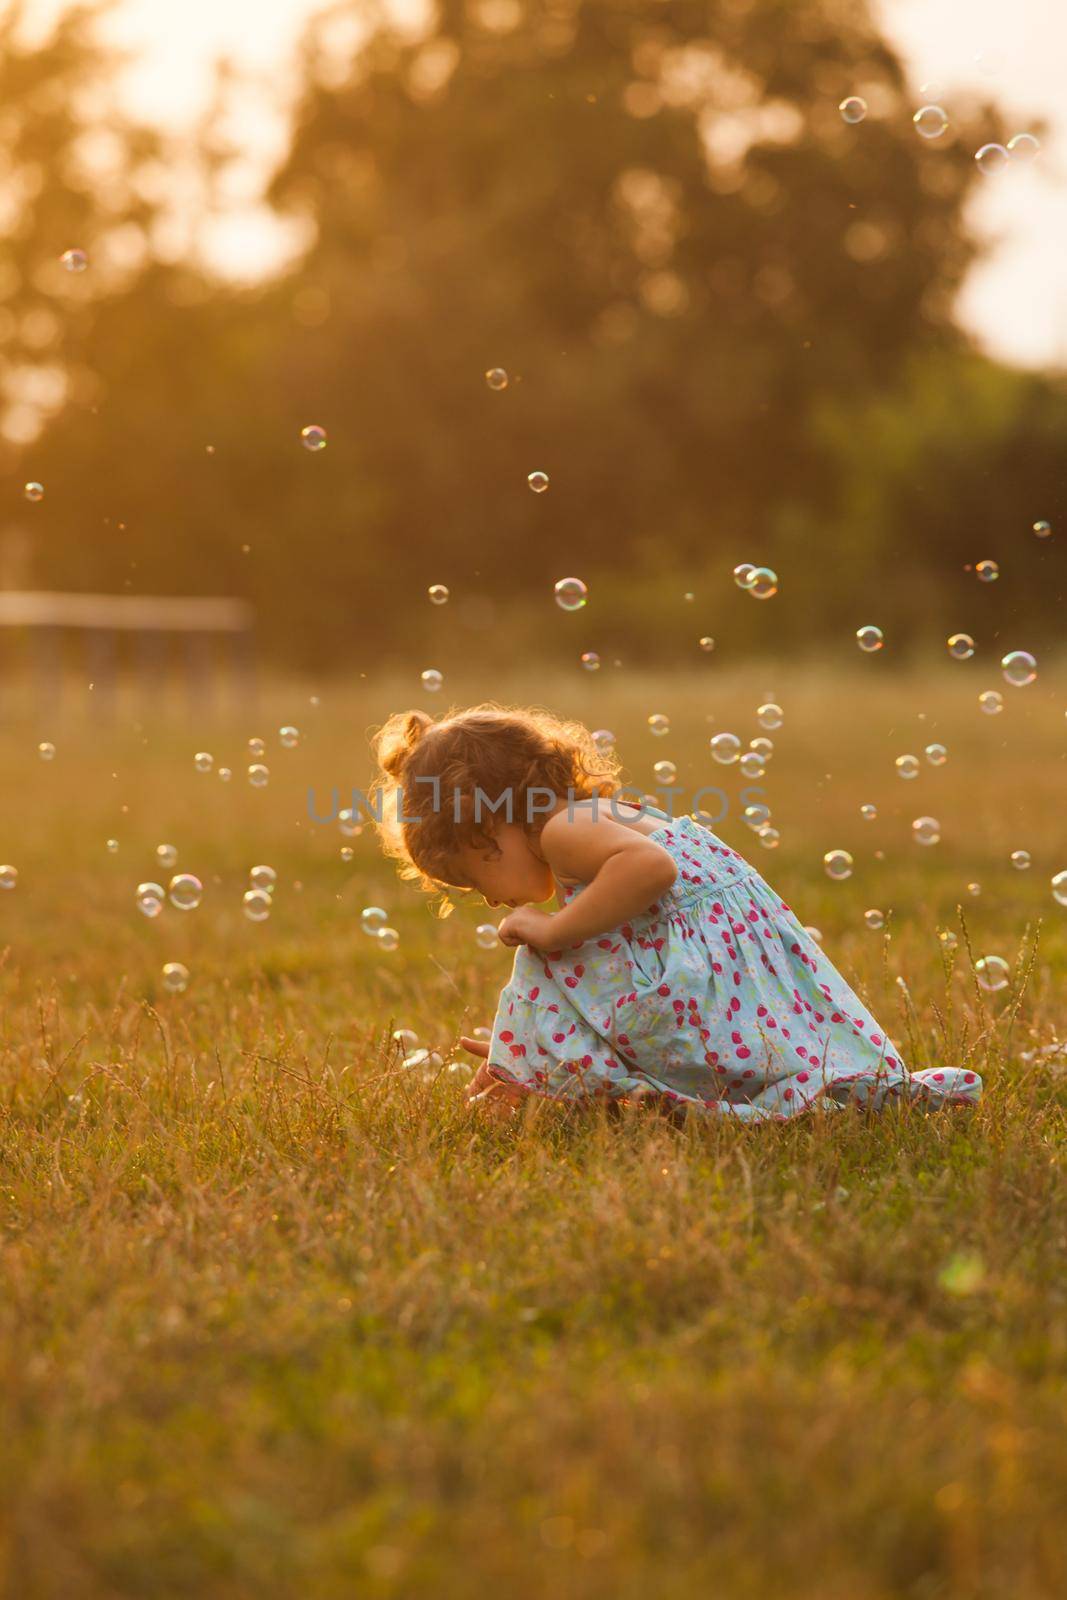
(657, 221)
(69, 203)
(710, 293)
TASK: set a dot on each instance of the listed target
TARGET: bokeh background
(735, 326)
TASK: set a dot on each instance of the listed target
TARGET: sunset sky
(1016, 54)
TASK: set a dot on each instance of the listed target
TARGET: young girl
(669, 968)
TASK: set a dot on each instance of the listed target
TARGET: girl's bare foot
(485, 1091)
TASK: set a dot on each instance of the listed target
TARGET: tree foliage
(717, 303)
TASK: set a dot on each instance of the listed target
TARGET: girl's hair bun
(397, 738)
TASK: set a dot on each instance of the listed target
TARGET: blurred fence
(88, 652)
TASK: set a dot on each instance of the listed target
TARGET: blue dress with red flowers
(715, 997)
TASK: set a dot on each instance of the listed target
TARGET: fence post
(150, 655)
(47, 652)
(243, 672)
(101, 648)
(198, 686)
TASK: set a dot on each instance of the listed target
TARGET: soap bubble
(203, 761)
(907, 766)
(991, 702)
(349, 823)
(289, 737)
(34, 492)
(74, 260)
(992, 972)
(870, 638)
(762, 747)
(665, 772)
(225, 774)
(743, 574)
(752, 764)
(707, 642)
(496, 378)
(150, 898)
(974, 888)
(590, 661)
(1019, 668)
(930, 121)
(936, 754)
(1059, 886)
(869, 813)
(926, 830)
(768, 836)
(185, 891)
(571, 594)
(948, 939)
(874, 918)
(604, 740)
(256, 904)
(263, 877)
(659, 724)
(388, 938)
(838, 865)
(755, 816)
(538, 481)
(175, 977)
(258, 775)
(256, 749)
(406, 1038)
(9, 876)
(770, 716)
(987, 571)
(372, 918)
(46, 751)
(438, 594)
(814, 933)
(1023, 147)
(1020, 860)
(960, 646)
(762, 583)
(1042, 528)
(347, 853)
(991, 159)
(486, 935)
(431, 680)
(725, 747)
(313, 437)
(853, 108)
(112, 846)
(167, 855)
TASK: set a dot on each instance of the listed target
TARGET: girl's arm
(623, 872)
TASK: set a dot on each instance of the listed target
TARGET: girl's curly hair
(491, 747)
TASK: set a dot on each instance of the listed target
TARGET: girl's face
(505, 869)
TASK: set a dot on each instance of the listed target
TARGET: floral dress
(715, 997)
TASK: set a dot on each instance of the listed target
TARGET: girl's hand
(527, 925)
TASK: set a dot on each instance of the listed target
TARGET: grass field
(282, 1317)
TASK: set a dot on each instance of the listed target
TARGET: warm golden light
(1015, 300)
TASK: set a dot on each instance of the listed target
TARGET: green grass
(281, 1317)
